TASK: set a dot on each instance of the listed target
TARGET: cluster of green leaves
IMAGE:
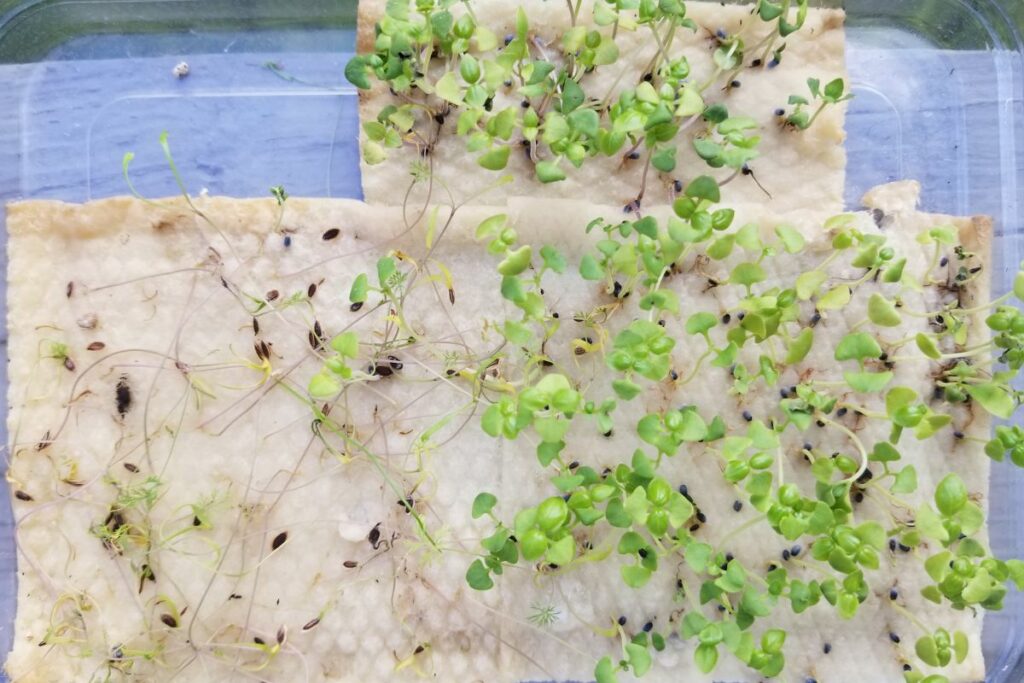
(436, 63)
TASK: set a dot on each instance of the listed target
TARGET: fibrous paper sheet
(789, 162)
(252, 528)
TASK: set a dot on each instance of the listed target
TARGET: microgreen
(831, 94)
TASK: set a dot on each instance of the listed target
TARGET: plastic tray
(940, 98)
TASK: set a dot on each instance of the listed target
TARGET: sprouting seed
(828, 648)
(349, 564)
(287, 241)
(331, 234)
(255, 326)
(272, 295)
(311, 624)
(69, 290)
(374, 536)
(96, 346)
(737, 506)
(21, 495)
(282, 635)
(169, 620)
(69, 364)
(894, 637)
(747, 416)
(279, 540)
(131, 468)
(311, 290)
(893, 594)
(356, 306)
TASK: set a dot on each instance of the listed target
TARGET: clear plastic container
(940, 98)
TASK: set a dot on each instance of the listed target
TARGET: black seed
(616, 289)
(661, 323)
(795, 550)
(726, 319)
(622, 621)
(815, 319)
(311, 290)
(259, 641)
(123, 396)
(642, 552)
(701, 517)
(331, 234)
(287, 241)
(904, 548)
(907, 667)
(785, 555)
(69, 290)
(734, 84)
(633, 155)
(721, 608)
(648, 627)
(739, 316)
(841, 412)
(374, 536)
(380, 370)
(678, 185)
(356, 306)
(737, 506)
(21, 495)
(418, 650)
(827, 648)
(958, 434)
(169, 620)
(858, 497)
(893, 594)
(196, 521)
(820, 423)
(683, 490)
(944, 262)
(729, 558)
(130, 467)
(747, 416)
(756, 63)
(574, 464)
(694, 527)
(674, 375)
(279, 540)
(894, 638)
(892, 545)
